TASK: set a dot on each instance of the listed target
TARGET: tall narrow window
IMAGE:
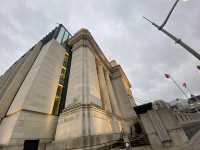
(65, 60)
(57, 100)
(60, 86)
(62, 76)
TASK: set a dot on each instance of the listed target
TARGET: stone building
(63, 94)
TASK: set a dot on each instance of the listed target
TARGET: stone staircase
(138, 140)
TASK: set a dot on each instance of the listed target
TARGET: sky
(119, 29)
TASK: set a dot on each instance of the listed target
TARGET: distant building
(194, 103)
(180, 103)
(191, 105)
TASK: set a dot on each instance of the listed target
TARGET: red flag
(167, 76)
(184, 85)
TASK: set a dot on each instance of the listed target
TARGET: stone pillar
(116, 124)
(120, 85)
(113, 101)
(104, 89)
(83, 85)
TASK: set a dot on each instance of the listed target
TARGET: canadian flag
(184, 85)
(167, 76)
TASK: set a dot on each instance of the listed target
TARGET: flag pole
(189, 91)
(176, 84)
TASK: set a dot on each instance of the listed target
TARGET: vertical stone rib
(113, 100)
(103, 88)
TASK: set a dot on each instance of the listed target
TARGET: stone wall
(29, 116)
(98, 101)
(93, 99)
(14, 77)
(162, 127)
(38, 90)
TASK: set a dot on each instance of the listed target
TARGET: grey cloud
(118, 27)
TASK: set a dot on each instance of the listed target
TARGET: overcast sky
(121, 32)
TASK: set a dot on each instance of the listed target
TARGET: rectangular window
(62, 76)
(57, 100)
(56, 106)
(59, 91)
(60, 35)
(65, 60)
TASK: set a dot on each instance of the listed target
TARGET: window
(56, 106)
(65, 60)
(57, 100)
(63, 35)
(59, 91)
(60, 35)
(62, 76)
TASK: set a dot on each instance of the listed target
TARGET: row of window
(55, 110)
(63, 35)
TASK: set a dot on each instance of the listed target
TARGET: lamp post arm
(181, 43)
(177, 40)
(169, 14)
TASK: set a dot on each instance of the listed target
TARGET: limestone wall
(33, 103)
(127, 112)
(38, 91)
(27, 125)
(90, 101)
(162, 128)
(14, 78)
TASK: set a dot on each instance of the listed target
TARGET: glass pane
(56, 106)
(62, 76)
(60, 35)
(66, 36)
(65, 60)
(59, 91)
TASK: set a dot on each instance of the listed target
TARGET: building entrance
(31, 144)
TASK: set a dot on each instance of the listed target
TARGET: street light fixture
(177, 40)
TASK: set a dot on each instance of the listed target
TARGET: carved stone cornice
(83, 38)
(117, 72)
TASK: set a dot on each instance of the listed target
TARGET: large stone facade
(67, 95)
(98, 104)
(91, 105)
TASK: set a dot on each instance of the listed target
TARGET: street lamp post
(177, 40)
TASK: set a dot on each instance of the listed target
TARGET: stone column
(103, 88)
(113, 101)
(116, 124)
(83, 87)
